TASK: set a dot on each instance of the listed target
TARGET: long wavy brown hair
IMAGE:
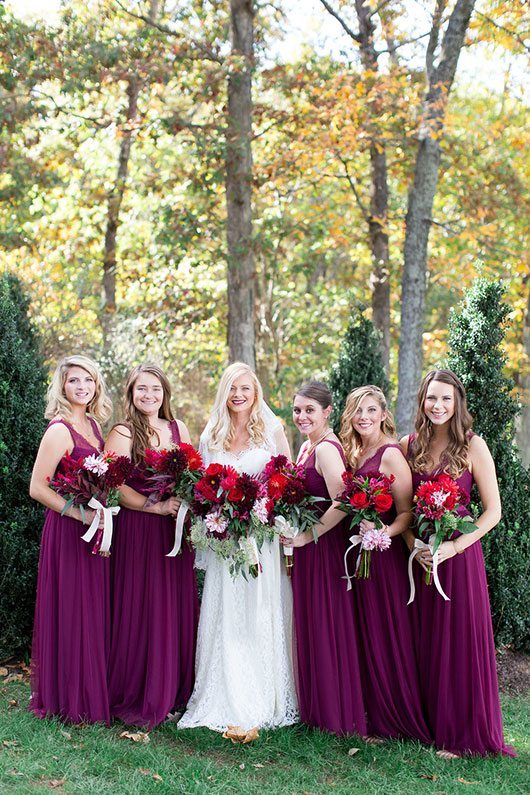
(350, 438)
(137, 422)
(455, 457)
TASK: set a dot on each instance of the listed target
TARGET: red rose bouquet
(436, 513)
(366, 497)
(174, 472)
(291, 509)
(93, 482)
(232, 517)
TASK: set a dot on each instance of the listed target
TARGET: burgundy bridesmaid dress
(71, 633)
(458, 675)
(389, 668)
(326, 652)
(154, 616)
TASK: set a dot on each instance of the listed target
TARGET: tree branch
(379, 8)
(366, 214)
(208, 54)
(504, 30)
(346, 28)
(403, 43)
(434, 36)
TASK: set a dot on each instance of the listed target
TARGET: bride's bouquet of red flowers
(291, 509)
(436, 511)
(366, 497)
(232, 518)
(93, 482)
(174, 472)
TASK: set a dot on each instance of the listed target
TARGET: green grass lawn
(46, 756)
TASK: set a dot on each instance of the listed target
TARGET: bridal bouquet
(93, 482)
(174, 472)
(436, 512)
(232, 518)
(291, 507)
(366, 497)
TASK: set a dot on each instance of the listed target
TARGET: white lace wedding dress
(244, 670)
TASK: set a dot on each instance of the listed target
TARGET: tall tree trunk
(240, 266)
(115, 200)
(421, 199)
(378, 216)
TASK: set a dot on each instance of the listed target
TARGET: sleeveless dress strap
(97, 432)
(175, 433)
(76, 437)
(335, 444)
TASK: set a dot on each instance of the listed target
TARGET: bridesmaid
(72, 614)
(389, 672)
(154, 598)
(456, 650)
(328, 675)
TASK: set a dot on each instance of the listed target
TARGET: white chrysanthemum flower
(95, 464)
(260, 509)
(215, 522)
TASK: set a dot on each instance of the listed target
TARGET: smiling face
(368, 418)
(309, 416)
(242, 395)
(439, 403)
(148, 394)
(79, 386)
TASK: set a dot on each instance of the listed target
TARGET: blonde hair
(100, 407)
(137, 421)
(222, 429)
(455, 457)
(350, 438)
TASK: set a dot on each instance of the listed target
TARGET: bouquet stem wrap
(179, 528)
(108, 513)
(418, 546)
(289, 531)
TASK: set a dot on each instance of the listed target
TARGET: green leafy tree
(359, 362)
(475, 353)
(22, 389)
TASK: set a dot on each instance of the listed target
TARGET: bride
(243, 671)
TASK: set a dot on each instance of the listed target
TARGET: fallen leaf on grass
(57, 782)
(14, 772)
(9, 743)
(3, 671)
(12, 702)
(157, 777)
(353, 751)
(242, 766)
(13, 678)
(66, 734)
(144, 771)
(464, 781)
(239, 735)
(432, 777)
(136, 737)
(258, 764)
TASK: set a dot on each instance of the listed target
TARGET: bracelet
(457, 549)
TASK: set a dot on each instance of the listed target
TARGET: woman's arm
(393, 463)
(120, 442)
(55, 443)
(483, 468)
(329, 462)
(183, 432)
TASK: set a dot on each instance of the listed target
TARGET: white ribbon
(179, 527)
(108, 513)
(286, 529)
(418, 547)
(354, 542)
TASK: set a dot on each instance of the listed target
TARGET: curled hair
(222, 430)
(138, 423)
(455, 457)
(350, 438)
(100, 407)
(317, 391)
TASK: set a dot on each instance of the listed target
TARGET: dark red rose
(236, 494)
(213, 470)
(383, 502)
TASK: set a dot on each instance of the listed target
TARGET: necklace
(315, 444)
